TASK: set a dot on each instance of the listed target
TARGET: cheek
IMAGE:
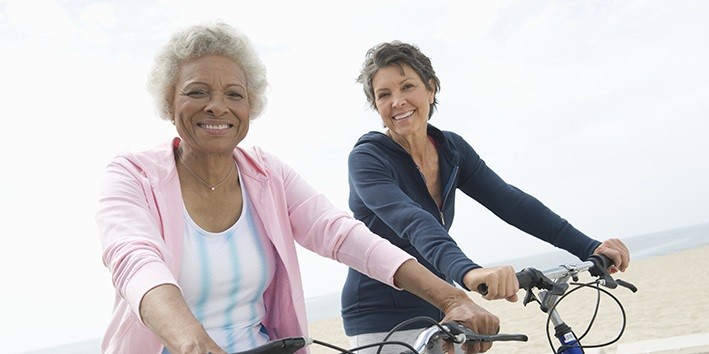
(180, 107)
(241, 108)
(244, 111)
(380, 109)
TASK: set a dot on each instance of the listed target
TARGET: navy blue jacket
(389, 194)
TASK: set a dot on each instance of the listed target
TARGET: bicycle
(554, 287)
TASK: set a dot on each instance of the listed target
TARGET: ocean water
(641, 247)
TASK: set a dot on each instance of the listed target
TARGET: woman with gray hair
(403, 184)
(199, 234)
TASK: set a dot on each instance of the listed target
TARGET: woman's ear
(431, 91)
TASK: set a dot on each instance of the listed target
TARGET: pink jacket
(140, 223)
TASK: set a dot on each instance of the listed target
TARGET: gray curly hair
(198, 40)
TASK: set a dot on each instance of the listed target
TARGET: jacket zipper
(440, 212)
(446, 191)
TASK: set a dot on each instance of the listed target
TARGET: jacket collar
(439, 137)
(158, 164)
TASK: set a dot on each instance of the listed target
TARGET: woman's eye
(408, 86)
(234, 94)
(382, 95)
(195, 93)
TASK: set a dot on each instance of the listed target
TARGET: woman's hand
(501, 282)
(454, 302)
(479, 320)
(616, 250)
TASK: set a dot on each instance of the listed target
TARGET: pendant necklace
(201, 180)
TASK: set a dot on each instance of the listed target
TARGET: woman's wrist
(416, 279)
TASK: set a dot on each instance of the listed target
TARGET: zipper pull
(443, 219)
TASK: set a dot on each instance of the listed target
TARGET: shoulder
(374, 142)
(256, 154)
(258, 162)
(154, 163)
(448, 138)
(453, 137)
(372, 137)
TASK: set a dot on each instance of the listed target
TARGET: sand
(671, 301)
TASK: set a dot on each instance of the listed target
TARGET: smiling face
(210, 104)
(402, 100)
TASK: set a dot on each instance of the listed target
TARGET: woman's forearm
(454, 302)
(165, 312)
(416, 279)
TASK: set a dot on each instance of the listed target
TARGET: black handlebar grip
(526, 277)
(601, 263)
(279, 346)
(605, 261)
(482, 289)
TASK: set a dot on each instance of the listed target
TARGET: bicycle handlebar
(554, 287)
(458, 333)
(597, 266)
(553, 280)
(457, 328)
(280, 346)
(451, 331)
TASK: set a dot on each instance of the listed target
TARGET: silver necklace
(201, 180)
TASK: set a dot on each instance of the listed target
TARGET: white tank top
(223, 277)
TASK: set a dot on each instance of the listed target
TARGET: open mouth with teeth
(403, 115)
(215, 126)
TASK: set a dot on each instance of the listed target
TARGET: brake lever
(600, 270)
(529, 297)
(457, 329)
(626, 285)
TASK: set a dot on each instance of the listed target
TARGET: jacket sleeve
(372, 179)
(518, 208)
(129, 229)
(333, 233)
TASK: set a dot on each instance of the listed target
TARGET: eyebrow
(237, 85)
(206, 84)
(406, 79)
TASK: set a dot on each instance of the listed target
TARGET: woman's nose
(398, 102)
(216, 106)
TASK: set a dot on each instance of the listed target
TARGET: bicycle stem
(562, 331)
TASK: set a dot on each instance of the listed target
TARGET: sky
(600, 109)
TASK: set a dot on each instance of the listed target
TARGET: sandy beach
(671, 301)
